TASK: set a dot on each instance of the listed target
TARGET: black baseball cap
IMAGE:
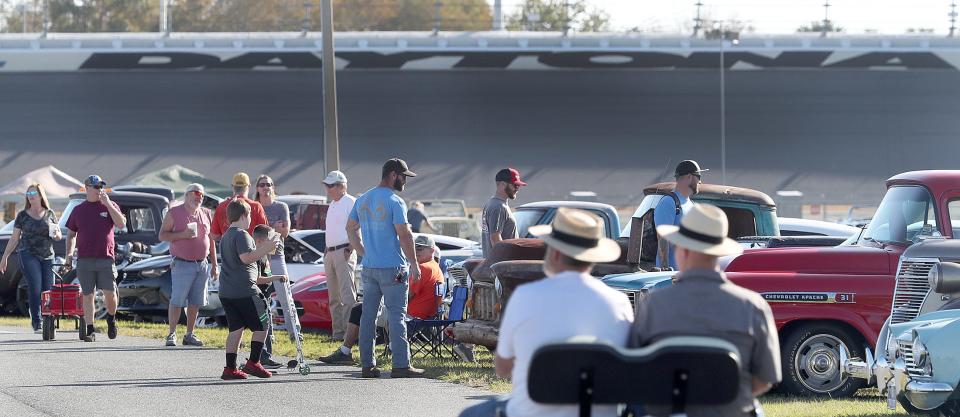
(688, 167)
(399, 166)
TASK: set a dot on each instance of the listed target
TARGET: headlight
(892, 347)
(153, 272)
(498, 287)
(319, 287)
(920, 354)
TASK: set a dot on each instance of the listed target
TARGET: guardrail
(456, 41)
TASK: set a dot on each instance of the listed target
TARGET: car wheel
(82, 330)
(221, 321)
(810, 358)
(948, 409)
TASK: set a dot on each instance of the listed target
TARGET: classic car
(450, 218)
(144, 214)
(918, 359)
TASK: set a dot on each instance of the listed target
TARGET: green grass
(867, 403)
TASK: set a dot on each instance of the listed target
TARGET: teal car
(750, 212)
(918, 354)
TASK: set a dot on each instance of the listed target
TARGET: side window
(141, 220)
(603, 216)
(742, 222)
(953, 208)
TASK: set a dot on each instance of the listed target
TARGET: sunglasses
(97, 187)
(197, 193)
(265, 185)
(32, 193)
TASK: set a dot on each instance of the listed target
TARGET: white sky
(776, 16)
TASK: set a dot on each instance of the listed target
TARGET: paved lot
(137, 377)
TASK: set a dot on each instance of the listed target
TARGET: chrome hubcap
(818, 362)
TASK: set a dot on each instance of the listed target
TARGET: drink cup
(192, 226)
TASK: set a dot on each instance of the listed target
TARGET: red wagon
(62, 301)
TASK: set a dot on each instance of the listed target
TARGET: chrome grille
(458, 275)
(633, 296)
(906, 352)
(912, 289)
(484, 296)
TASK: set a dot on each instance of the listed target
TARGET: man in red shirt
(424, 299)
(241, 188)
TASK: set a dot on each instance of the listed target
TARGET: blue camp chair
(427, 336)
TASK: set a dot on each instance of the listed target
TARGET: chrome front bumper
(894, 381)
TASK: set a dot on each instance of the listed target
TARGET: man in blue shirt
(378, 230)
(670, 210)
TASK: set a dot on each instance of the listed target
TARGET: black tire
(46, 325)
(82, 331)
(810, 359)
(221, 321)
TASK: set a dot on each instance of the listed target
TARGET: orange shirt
(423, 294)
(221, 224)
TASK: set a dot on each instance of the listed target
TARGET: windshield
(904, 215)
(444, 209)
(526, 218)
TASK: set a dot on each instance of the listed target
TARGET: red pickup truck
(823, 298)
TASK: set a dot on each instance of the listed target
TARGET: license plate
(892, 395)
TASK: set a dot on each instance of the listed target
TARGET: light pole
(723, 99)
(331, 138)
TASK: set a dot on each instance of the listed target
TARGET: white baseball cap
(335, 177)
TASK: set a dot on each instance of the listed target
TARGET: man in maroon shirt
(91, 227)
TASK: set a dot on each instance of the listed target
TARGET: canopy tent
(178, 178)
(57, 184)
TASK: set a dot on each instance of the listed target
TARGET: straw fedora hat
(579, 235)
(702, 230)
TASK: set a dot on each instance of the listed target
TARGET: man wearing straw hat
(568, 303)
(702, 302)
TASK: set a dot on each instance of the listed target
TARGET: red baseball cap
(511, 176)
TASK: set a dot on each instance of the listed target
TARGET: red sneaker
(232, 373)
(256, 369)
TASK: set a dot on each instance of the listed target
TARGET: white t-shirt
(337, 215)
(554, 310)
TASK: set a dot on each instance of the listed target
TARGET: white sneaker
(172, 339)
(38, 331)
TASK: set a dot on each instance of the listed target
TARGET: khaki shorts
(96, 273)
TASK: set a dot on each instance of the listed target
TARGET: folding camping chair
(427, 337)
(675, 372)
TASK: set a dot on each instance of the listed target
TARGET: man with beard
(389, 259)
(497, 222)
(670, 210)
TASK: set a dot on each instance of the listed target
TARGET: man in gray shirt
(703, 302)
(497, 222)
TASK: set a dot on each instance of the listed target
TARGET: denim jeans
(383, 283)
(39, 276)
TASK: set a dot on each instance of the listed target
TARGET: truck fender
(788, 316)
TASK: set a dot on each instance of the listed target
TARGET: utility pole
(498, 15)
(307, 4)
(826, 19)
(165, 18)
(331, 138)
(46, 18)
(953, 17)
(697, 21)
(436, 17)
(566, 18)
